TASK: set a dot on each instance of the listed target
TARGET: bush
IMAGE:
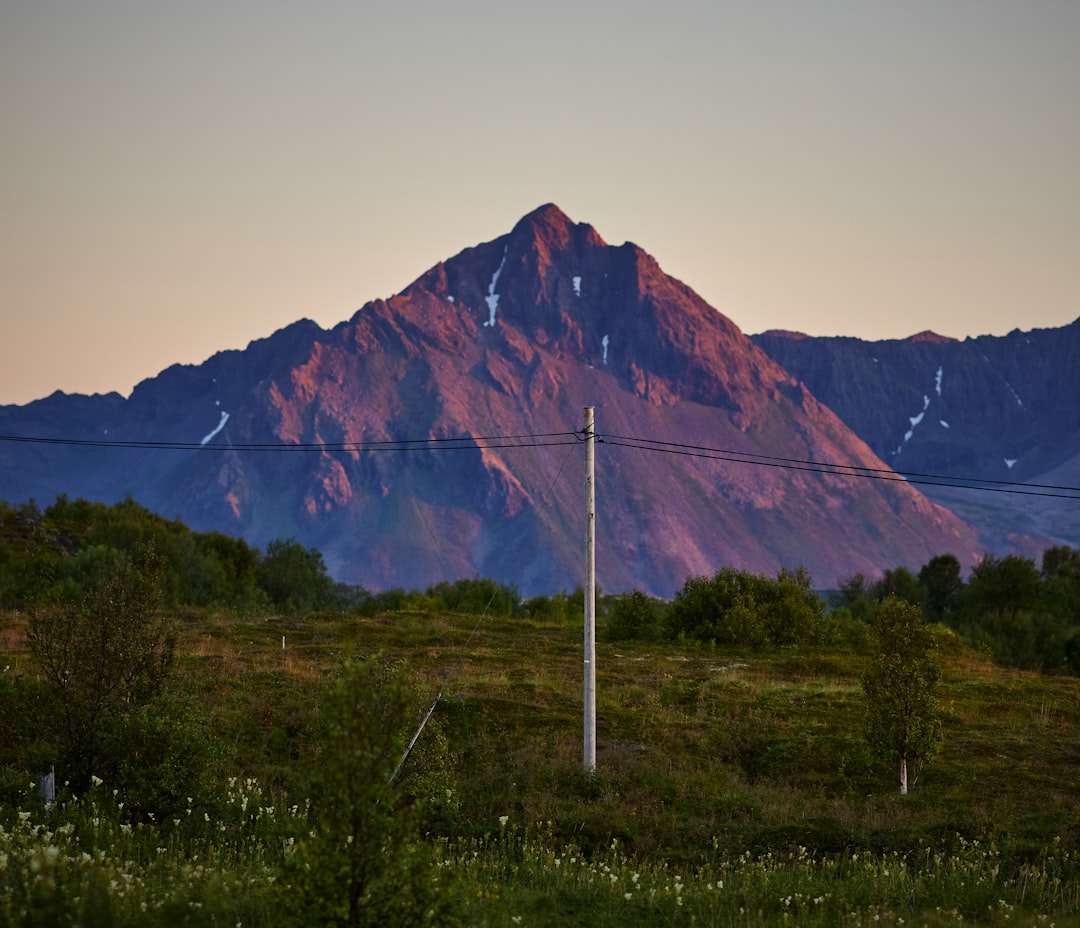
(632, 615)
(479, 596)
(363, 863)
(738, 607)
(104, 654)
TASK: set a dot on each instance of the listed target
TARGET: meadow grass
(732, 787)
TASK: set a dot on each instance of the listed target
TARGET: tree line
(57, 555)
(1025, 615)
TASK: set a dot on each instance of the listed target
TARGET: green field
(732, 788)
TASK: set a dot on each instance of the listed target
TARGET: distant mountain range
(990, 410)
(432, 436)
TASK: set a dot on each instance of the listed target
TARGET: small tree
(364, 863)
(854, 594)
(105, 654)
(901, 583)
(902, 720)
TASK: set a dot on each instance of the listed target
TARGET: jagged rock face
(994, 408)
(987, 408)
(511, 337)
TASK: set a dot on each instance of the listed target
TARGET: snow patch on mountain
(915, 420)
(577, 284)
(492, 298)
(220, 426)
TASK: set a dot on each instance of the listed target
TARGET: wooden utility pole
(590, 594)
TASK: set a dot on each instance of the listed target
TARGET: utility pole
(590, 594)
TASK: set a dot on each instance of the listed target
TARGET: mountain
(511, 337)
(992, 410)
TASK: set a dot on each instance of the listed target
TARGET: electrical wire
(459, 443)
(845, 470)
(554, 439)
(855, 467)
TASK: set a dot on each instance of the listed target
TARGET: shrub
(632, 615)
(738, 607)
(363, 863)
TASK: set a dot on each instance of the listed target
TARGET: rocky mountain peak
(509, 337)
(547, 228)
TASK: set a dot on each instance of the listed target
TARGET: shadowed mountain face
(987, 408)
(509, 338)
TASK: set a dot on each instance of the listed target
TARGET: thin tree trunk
(903, 775)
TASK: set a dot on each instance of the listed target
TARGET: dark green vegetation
(902, 717)
(244, 773)
(56, 555)
(1023, 615)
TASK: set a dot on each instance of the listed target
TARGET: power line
(844, 470)
(554, 439)
(856, 467)
(459, 443)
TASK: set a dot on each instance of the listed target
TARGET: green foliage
(478, 596)
(59, 553)
(559, 608)
(737, 607)
(163, 753)
(942, 584)
(84, 865)
(861, 597)
(902, 719)
(295, 578)
(104, 654)
(633, 615)
(1023, 617)
(1061, 561)
(25, 743)
(1061, 598)
(363, 863)
(901, 583)
(854, 594)
(31, 552)
(1005, 586)
(731, 788)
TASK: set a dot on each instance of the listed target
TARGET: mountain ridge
(702, 434)
(985, 409)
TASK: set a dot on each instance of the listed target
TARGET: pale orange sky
(178, 179)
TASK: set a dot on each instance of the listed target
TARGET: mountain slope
(988, 408)
(509, 338)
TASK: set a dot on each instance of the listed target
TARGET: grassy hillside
(713, 767)
(755, 750)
